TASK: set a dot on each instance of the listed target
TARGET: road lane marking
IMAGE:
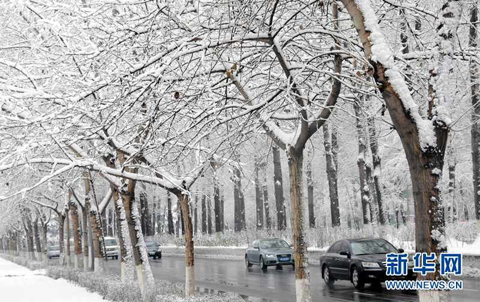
(365, 294)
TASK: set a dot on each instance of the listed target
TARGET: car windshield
(372, 247)
(151, 244)
(273, 244)
(110, 242)
(54, 248)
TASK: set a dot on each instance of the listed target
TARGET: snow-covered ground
(19, 284)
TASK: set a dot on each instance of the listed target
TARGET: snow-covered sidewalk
(19, 284)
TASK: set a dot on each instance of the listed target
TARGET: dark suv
(154, 249)
(360, 261)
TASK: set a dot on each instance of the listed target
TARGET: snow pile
(111, 287)
(455, 246)
(20, 284)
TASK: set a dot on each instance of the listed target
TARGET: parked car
(112, 247)
(154, 249)
(53, 251)
(269, 252)
(360, 261)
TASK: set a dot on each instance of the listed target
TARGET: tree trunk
(204, 214)
(85, 239)
(61, 238)
(97, 237)
(67, 229)
(126, 269)
(474, 70)
(195, 216)
(331, 151)
(38, 244)
(171, 228)
(44, 238)
(77, 233)
(239, 202)
(209, 217)
(310, 197)
(217, 203)
(222, 204)
(268, 218)
(189, 247)
(425, 158)
(258, 196)
(145, 214)
(362, 166)
(377, 165)
(302, 282)
(278, 184)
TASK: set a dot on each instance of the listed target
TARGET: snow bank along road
(19, 284)
(278, 285)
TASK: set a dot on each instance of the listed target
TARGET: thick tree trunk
(189, 247)
(97, 236)
(126, 269)
(77, 232)
(258, 196)
(331, 151)
(474, 69)
(377, 166)
(425, 158)
(302, 275)
(310, 197)
(278, 184)
(239, 202)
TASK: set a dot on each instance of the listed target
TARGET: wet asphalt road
(279, 285)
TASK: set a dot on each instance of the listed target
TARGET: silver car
(112, 247)
(53, 251)
(269, 252)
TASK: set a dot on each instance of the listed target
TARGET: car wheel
(327, 276)
(247, 262)
(262, 264)
(154, 257)
(160, 256)
(357, 281)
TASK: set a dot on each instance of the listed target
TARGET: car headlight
(370, 264)
(270, 255)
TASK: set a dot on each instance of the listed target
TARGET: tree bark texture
(239, 201)
(474, 70)
(217, 203)
(377, 166)
(278, 184)
(310, 196)
(362, 165)
(189, 247)
(259, 207)
(331, 151)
